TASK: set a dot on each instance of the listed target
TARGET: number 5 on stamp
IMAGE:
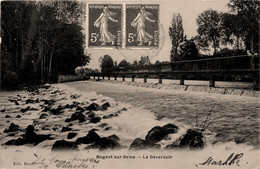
(104, 25)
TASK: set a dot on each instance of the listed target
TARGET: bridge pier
(133, 78)
(160, 79)
(182, 80)
(256, 85)
(145, 78)
(212, 81)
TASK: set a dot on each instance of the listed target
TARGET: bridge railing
(208, 68)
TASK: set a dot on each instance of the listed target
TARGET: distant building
(145, 60)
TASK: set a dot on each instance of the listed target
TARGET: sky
(188, 9)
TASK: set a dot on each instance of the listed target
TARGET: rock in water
(94, 107)
(71, 135)
(78, 116)
(91, 137)
(114, 137)
(16, 142)
(25, 109)
(64, 145)
(64, 129)
(95, 120)
(105, 106)
(107, 143)
(18, 116)
(192, 139)
(12, 128)
(139, 144)
(158, 133)
(30, 135)
(7, 116)
(80, 109)
(170, 128)
(43, 116)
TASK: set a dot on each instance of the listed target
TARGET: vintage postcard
(127, 84)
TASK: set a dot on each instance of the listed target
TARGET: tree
(123, 63)
(43, 38)
(209, 28)
(233, 26)
(187, 50)
(249, 12)
(176, 34)
(106, 63)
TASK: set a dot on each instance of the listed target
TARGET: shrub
(10, 79)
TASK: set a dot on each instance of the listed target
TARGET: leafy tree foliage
(209, 28)
(233, 25)
(39, 42)
(248, 14)
(106, 63)
(123, 63)
(176, 33)
(187, 50)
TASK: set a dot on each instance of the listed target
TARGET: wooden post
(182, 80)
(133, 78)
(115, 77)
(123, 78)
(160, 79)
(212, 81)
(145, 78)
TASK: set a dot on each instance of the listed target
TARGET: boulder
(95, 120)
(158, 133)
(43, 116)
(12, 128)
(105, 106)
(28, 101)
(46, 109)
(7, 116)
(71, 135)
(64, 129)
(139, 144)
(25, 109)
(56, 111)
(18, 116)
(16, 142)
(80, 109)
(192, 139)
(94, 107)
(78, 116)
(91, 137)
(114, 137)
(64, 145)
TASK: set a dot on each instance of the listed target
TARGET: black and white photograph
(125, 84)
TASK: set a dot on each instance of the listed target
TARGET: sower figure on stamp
(139, 23)
(102, 23)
